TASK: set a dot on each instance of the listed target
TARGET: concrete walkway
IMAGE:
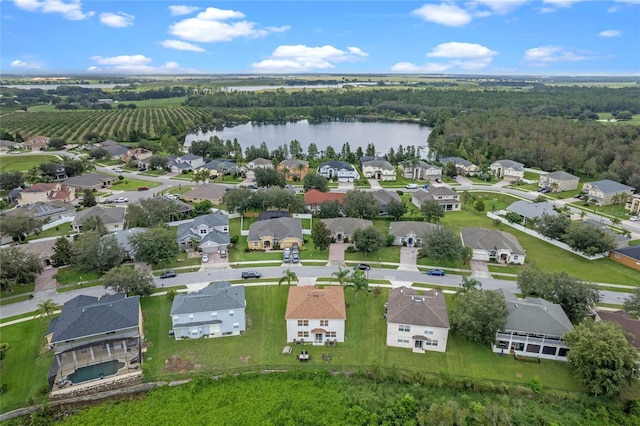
(408, 258)
(479, 269)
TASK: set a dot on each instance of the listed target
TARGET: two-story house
(377, 168)
(558, 181)
(316, 315)
(260, 163)
(384, 198)
(217, 310)
(46, 192)
(603, 192)
(340, 170)
(210, 232)
(36, 143)
(220, 167)
(448, 199)
(294, 169)
(507, 169)
(463, 167)
(421, 171)
(136, 157)
(187, 162)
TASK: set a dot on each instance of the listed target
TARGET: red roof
(318, 197)
(41, 187)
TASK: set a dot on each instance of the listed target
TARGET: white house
(259, 163)
(316, 315)
(507, 169)
(602, 192)
(417, 322)
(447, 198)
(421, 171)
(342, 171)
(410, 233)
(186, 162)
(377, 168)
(488, 244)
(211, 231)
(559, 181)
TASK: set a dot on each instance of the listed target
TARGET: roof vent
(83, 310)
(401, 291)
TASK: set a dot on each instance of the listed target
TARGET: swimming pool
(95, 371)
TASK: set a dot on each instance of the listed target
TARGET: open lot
(24, 162)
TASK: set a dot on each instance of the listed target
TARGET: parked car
(205, 258)
(295, 257)
(287, 255)
(578, 196)
(634, 218)
(143, 188)
(168, 274)
(426, 185)
(121, 200)
(412, 186)
(172, 196)
(362, 267)
(118, 170)
(294, 248)
(223, 253)
(16, 152)
(436, 272)
(251, 274)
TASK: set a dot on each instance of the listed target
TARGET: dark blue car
(436, 272)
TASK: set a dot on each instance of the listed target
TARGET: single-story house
(409, 233)
(215, 311)
(534, 328)
(384, 198)
(628, 256)
(294, 169)
(260, 163)
(90, 181)
(559, 181)
(448, 199)
(531, 211)
(280, 232)
(46, 192)
(219, 167)
(136, 155)
(112, 217)
(92, 330)
(507, 169)
(212, 192)
(340, 170)
(421, 171)
(40, 248)
(122, 237)
(6, 145)
(211, 231)
(377, 168)
(342, 228)
(313, 199)
(316, 315)
(602, 192)
(418, 322)
(52, 211)
(36, 143)
(489, 244)
(463, 167)
(273, 214)
(629, 324)
(115, 150)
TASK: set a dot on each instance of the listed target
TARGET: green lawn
(58, 231)
(17, 290)
(9, 163)
(70, 275)
(128, 184)
(384, 254)
(261, 345)
(180, 260)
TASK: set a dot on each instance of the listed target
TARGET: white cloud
(181, 45)
(71, 10)
(117, 20)
(213, 25)
(135, 64)
(121, 60)
(562, 3)
(182, 10)
(458, 56)
(444, 14)
(26, 64)
(609, 33)
(544, 55)
(304, 58)
(500, 7)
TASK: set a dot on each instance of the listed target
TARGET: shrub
(350, 249)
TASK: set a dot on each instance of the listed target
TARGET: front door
(418, 344)
(319, 338)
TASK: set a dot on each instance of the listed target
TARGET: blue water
(90, 372)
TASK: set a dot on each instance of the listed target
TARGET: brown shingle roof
(318, 197)
(626, 321)
(407, 307)
(315, 303)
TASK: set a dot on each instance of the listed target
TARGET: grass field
(22, 163)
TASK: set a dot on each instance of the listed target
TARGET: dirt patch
(245, 359)
(178, 365)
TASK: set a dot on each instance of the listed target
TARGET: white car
(121, 200)
(412, 186)
(118, 170)
(205, 258)
(634, 218)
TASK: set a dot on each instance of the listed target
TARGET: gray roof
(293, 162)
(87, 315)
(189, 157)
(433, 192)
(40, 209)
(219, 164)
(456, 160)
(509, 163)
(8, 144)
(346, 224)
(214, 297)
(632, 252)
(376, 162)
(337, 165)
(530, 210)
(610, 187)
(114, 148)
(428, 166)
(385, 197)
(535, 315)
(489, 239)
(89, 179)
(211, 192)
(210, 220)
(560, 175)
(260, 161)
(401, 229)
(122, 237)
(407, 307)
(108, 215)
(278, 228)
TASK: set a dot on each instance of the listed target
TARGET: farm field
(24, 162)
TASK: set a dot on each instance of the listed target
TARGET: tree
(432, 211)
(553, 226)
(150, 212)
(396, 209)
(62, 252)
(329, 209)
(94, 223)
(158, 162)
(479, 315)
(602, 357)
(466, 253)
(315, 181)
(342, 276)
(57, 143)
(18, 268)
(288, 276)
(440, 244)
(368, 240)
(479, 206)
(513, 217)
(19, 227)
(10, 180)
(321, 235)
(312, 151)
(632, 303)
(88, 198)
(269, 177)
(94, 252)
(99, 154)
(238, 200)
(467, 285)
(123, 279)
(154, 246)
(359, 282)
(588, 239)
(46, 308)
(360, 204)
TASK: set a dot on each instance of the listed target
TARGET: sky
(476, 37)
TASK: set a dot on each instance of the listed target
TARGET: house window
(404, 327)
(190, 317)
(401, 340)
(330, 334)
(428, 332)
(431, 343)
(255, 244)
(303, 334)
(324, 323)
(225, 229)
(515, 257)
(230, 313)
(203, 231)
(303, 323)
(214, 314)
(236, 325)
(175, 318)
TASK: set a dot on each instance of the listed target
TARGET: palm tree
(467, 285)
(46, 308)
(359, 282)
(466, 254)
(300, 168)
(288, 276)
(342, 276)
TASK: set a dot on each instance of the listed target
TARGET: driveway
(336, 254)
(408, 258)
(45, 280)
(479, 269)
(463, 180)
(375, 185)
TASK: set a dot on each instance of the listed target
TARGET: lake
(383, 135)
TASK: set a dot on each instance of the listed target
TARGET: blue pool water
(95, 371)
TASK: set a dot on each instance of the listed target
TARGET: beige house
(342, 228)
(463, 167)
(280, 232)
(316, 315)
(212, 192)
(259, 163)
(136, 156)
(602, 192)
(293, 169)
(112, 217)
(633, 205)
(507, 169)
(46, 192)
(36, 143)
(421, 171)
(377, 168)
(448, 199)
(559, 181)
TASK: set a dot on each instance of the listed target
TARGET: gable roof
(433, 192)
(189, 157)
(456, 160)
(609, 186)
(279, 228)
(535, 315)
(41, 209)
(122, 237)
(346, 224)
(401, 229)
(489, 239)
(631, 251)
(509, 163)
(313, 303)
(626, 321)
(376, 162)
(405, 306)
(114, 148)
(214, 297)
(337, 165)
(219, 163)
(385, 197)
(42, 249)
(211, 220)
(531, 210)
(210, 192)
(108, 215)
(259, 161)
(293, 163)
(40, 187)
(318, 197)
(87, 315)
(560, 175)
(89, 179)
